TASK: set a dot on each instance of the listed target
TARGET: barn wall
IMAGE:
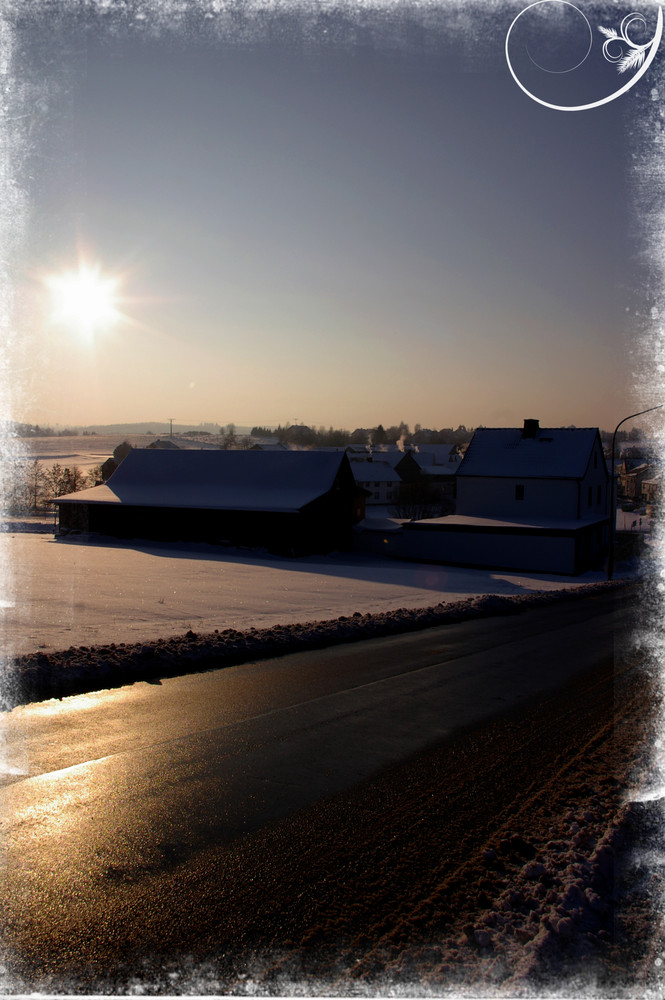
(318, 529)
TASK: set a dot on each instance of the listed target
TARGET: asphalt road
(132, 801)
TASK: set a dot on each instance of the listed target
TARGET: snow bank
(79, 669)
(559, 895)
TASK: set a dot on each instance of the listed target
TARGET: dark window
(590, 495)
(599, 494)
(519, 492)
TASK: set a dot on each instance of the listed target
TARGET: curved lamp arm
(613, 515)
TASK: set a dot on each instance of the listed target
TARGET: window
(599, 494)
(590, 495)
(519, 492)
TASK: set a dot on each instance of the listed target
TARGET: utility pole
(171, 419)
(613, 513)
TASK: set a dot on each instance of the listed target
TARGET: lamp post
(613, 513)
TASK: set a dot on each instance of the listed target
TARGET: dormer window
(519, 491)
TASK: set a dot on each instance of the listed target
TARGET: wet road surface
(141, 800)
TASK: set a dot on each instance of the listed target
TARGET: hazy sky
(338, 218)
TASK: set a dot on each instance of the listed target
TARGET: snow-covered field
(84, 452)
(61, 593)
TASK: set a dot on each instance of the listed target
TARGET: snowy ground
(634, 521)
(61, 593)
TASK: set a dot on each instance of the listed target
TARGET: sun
(84, 300)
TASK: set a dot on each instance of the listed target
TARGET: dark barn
(290, 502)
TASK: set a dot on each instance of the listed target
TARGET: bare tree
(35, 483)
(420, 500)
(59, 481)
(230, 438)
(94, 476)
(24, 490)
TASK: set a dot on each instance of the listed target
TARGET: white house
(528, 498)
(534, 472)
(378, 478)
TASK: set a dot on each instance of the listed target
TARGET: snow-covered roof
(166, 443)
(551, 453)
(436, 454)
(263, 442)
(197, 443)
(373, 471)
(225, 480)
(379, 452)
(381, 524)
(638, 468)
(467, 521)
(439, 471)
(393, 456)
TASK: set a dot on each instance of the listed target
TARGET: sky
(334, 216)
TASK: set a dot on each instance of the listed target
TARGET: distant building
(293, 502)
(166, 444)
(378, 478)
(268, 444)
(434, 465)
(632, 478)
(651, 489)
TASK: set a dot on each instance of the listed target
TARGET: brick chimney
(530, 429)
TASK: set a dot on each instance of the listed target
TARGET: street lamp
(613, 514)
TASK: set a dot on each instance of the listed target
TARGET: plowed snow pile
(84, 668)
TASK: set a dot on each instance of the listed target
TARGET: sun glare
(83, 300)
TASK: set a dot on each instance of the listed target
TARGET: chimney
(530, 429)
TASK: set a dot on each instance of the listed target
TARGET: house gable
(533, 472)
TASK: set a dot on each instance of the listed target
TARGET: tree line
(331, 437)
(33, 485)
(36, 430)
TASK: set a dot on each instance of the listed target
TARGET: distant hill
(159, 428)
